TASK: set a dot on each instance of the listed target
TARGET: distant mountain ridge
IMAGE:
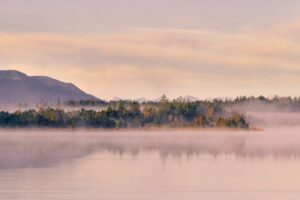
(16, 87)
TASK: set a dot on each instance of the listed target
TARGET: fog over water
(42, 148)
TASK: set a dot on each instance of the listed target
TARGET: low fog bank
(22, 149)
(265, 119)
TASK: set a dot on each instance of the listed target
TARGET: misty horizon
(187, 97)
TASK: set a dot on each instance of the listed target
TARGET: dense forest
(128, 114)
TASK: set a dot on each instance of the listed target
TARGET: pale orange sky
(133, 49)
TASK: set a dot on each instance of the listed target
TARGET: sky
(142, 48)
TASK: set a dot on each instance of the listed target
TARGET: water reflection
(21, 149)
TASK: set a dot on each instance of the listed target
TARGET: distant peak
(187, 98)
(12, 74)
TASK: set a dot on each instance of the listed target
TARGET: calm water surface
(165, 169)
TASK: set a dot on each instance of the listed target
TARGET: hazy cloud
(149, 62)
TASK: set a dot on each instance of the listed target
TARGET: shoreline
(147, 129)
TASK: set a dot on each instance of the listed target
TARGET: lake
(137, 165)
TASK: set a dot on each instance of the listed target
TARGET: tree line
(129, 114)
(242, 102)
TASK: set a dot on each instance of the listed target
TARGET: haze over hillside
(16, 87)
